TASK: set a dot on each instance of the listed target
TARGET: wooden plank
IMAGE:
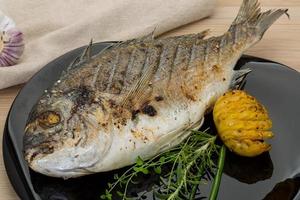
(6, 99)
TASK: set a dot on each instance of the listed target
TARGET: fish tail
(251, 21)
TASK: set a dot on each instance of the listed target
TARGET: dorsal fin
(200, 35)
(149, 37)
(203, 34)
(85, 56)
(146, 38)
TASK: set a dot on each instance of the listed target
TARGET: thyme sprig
(191, 164)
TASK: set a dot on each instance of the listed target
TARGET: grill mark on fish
(172, 66)
(157, 59)
(219, 49)
(96, 74)
(222, 45)
(129, 68)
(198, 53)
(214, 47)
(106, 60)
(206, 50)
(234, 34)
(161, 63)
(112, 72)
(166, 62)
(118, 80)
(133, 72)
(192, 56)
(181, 57)
(177, 53)
(154, 59)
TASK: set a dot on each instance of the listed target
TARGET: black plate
(273, 84)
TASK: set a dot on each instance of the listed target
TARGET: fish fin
(137, 90)
(239, 78)
(250, 16)
(203, 34)
(146, 38)
(177, 136)
(85, 56)
(199, 124)
(150, 36)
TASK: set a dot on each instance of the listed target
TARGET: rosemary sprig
(191, 163)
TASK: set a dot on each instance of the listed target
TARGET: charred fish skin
(136, 98)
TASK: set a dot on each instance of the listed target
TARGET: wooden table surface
(281, 43)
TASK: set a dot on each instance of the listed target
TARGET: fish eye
(49, 118)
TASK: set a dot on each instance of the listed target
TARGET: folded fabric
(54, 27)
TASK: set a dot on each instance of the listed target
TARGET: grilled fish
(136, 98)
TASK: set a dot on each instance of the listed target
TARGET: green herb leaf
(139, 161)
(116, 176)
(157, 170)
(120, 194)
(162, 159)
(145, 171)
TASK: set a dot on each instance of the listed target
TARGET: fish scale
(136, 98)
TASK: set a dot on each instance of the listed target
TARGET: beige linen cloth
(54, 27)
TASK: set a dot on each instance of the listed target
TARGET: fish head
(61, 138)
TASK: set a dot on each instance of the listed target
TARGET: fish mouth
(57, 173)
(36, 143)
(38, 152)
(66, 162)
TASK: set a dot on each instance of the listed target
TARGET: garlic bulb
(11, 42)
